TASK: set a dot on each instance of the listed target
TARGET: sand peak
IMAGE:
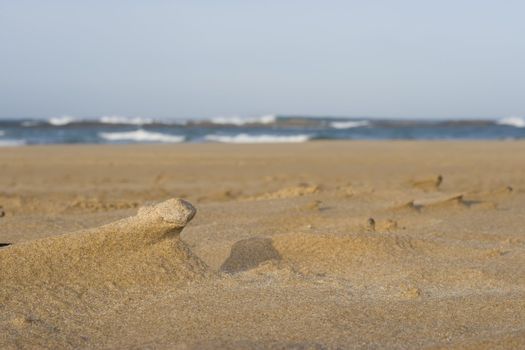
(174, 211)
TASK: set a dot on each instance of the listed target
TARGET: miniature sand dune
(430, 184)
(440, 201)
(62, 291)
(141, 250)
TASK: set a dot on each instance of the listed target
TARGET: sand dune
(84, 273)
(141, 250)
(431, 184)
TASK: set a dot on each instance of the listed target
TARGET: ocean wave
(116, 119)
(246, 138)
(12, 143)
(2, 132)
(239, 121)
(349, 124)
(140, 136)
(30, 123)
(60, 121)
(517, 122)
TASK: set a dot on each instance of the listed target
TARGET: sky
(197, 59)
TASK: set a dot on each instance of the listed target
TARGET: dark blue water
(114, 130)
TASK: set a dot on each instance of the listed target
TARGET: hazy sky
(196, 58)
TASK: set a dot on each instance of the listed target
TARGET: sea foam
(349, 124)
(30, 123)
(517, 122)
(265, 119)
(246, 138)
(140, 136)
(59, 121)
(116, 119)
(12, 143)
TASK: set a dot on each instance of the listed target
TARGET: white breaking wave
(140, 136)
(59, 121)
(116, 119)
(245, 138)
(349, 124)
(517, 122)
(265, 119)
(12, 143)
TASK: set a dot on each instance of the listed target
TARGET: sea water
(265, 129)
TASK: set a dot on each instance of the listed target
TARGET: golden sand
(303, 246)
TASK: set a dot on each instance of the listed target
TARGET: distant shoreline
(265, 129)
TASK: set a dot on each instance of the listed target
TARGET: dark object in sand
(4, 244)
(371, 224)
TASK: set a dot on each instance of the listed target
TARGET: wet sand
(300, 246)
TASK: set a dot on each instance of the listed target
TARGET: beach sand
(294, 246)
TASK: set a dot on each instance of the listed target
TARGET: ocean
(265, 129)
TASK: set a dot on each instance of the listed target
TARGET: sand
(300, 246)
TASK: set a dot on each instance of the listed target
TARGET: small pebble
(371, 224)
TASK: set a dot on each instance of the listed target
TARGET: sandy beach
(320, 245)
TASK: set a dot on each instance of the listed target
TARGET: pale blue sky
(186, 59)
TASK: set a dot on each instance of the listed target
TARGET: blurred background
(273, 71)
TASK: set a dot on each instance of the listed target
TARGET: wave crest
(116, 119)
(349, 124)
(246, 138)
(30, 123)
(12, 143)
(517, 122)
(59, 121)
(141, 136)
(238, 121)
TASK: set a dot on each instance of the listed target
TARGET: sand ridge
(88, 270)
(143, 249)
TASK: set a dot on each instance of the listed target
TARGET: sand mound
(141, 250)
(428, 184)
(300, 190)
(249, 253)
(75, 284)
(455, 200)
(335, 254)
(441, 201)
